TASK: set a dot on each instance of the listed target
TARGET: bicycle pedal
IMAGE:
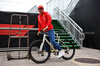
(39, 52)
(42, 54)
(52, 50)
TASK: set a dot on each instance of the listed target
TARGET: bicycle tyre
(34, 43)
(73, 48)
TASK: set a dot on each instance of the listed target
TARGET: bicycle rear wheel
(36, 55)
(69, 49)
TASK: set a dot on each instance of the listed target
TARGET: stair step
(69, 43)
(69, 39)
(54, 20)
(58, 29)
(54, 23)
(70, 46)
(60, 32)
(63, 34)
(65, 37)
(57, 25)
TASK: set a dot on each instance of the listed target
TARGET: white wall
(62, 4)
(21, 5)
(33, 10)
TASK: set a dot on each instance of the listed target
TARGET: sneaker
(61, 53)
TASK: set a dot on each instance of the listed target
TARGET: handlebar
(41, 33)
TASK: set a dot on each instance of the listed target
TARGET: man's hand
(45, 29)
(38, 33)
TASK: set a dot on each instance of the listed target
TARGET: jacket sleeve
(39, 26)
(49, 19)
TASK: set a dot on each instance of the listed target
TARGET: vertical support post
(28, 37)
(19, 34)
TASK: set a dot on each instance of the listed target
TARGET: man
(44, 23)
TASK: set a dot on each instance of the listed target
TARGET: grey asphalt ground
(54, 61)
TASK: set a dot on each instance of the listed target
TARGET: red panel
(23, 32)
(14, 32)
(6, 32)
(13, 25)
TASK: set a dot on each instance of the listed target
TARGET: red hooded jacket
(43, 21)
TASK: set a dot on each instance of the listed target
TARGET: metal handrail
(76, 28)
(71, 21)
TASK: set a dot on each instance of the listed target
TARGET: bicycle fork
(42, 42)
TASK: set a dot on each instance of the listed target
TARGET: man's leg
(55, 44)
(52, 39)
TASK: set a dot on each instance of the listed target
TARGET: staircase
(64, 34)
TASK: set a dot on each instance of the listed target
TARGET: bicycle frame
(44, 39)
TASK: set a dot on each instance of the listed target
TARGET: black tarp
(87, 15)
(5, 19)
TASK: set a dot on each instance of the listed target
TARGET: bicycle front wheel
(69, 49)
(36, 55)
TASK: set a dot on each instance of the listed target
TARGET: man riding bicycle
(44, 23)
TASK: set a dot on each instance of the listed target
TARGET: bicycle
(38, 54)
